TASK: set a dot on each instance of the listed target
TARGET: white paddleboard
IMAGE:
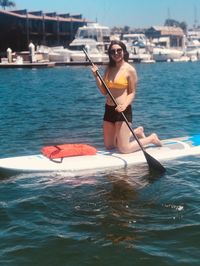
(103, 160)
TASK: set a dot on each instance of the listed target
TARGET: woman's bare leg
(139, 131)
(125, 146)
(109, 130)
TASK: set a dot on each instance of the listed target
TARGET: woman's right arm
(98, 80)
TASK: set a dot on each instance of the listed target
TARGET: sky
(132, 13)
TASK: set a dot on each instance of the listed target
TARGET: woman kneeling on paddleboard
(121, 79)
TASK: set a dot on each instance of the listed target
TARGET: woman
(121, 78)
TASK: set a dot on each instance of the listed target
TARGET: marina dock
(47, 64)
(28, 65)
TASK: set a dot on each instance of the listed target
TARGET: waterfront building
(166, 36)
(19, 28)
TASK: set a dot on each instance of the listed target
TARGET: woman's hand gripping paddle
(154, 165)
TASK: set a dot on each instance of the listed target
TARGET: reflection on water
(127, 182)
(123, 201)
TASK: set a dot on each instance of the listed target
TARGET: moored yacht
(91, 46)
(95, 39)
(163, 54)
(138, 46)
(101, 34)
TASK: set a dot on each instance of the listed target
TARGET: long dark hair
(123, 46)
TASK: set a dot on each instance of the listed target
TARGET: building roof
(166, 30)
(40, 15)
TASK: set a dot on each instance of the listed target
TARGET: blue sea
(122, 217)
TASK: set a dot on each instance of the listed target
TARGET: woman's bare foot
(139, 131)
(155, 140)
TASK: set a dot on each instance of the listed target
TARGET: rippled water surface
(124, 217)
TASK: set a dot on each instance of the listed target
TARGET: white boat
(137, 39)
(147, 61)
(193, 50)
(91, 46)
(183, 58)
(162, 54)
(97, 32)
(137, 54)
(59, 54)
(95, 39)
(139, 47)
(102, 161)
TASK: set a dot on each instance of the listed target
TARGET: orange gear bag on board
(67, 150)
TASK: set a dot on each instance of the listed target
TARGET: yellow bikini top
(119, 83)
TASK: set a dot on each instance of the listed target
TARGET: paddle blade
(154, 165)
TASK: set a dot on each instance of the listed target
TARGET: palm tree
(6, 3)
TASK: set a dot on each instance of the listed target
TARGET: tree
(175, 23)
(183, 26)
(6, 3)
(126, 29)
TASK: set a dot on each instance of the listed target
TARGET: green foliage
(175, 23)
(6, 3)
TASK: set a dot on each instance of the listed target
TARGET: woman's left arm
(132, 83)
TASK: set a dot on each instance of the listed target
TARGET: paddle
(153, 164)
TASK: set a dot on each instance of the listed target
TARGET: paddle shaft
(152, 162)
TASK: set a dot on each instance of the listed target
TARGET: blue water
(123, 217)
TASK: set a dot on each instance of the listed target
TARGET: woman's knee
(109, 145)
(123, 148)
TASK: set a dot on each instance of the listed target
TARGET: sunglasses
(116, 51)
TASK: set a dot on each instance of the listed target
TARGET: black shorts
(113, 116)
